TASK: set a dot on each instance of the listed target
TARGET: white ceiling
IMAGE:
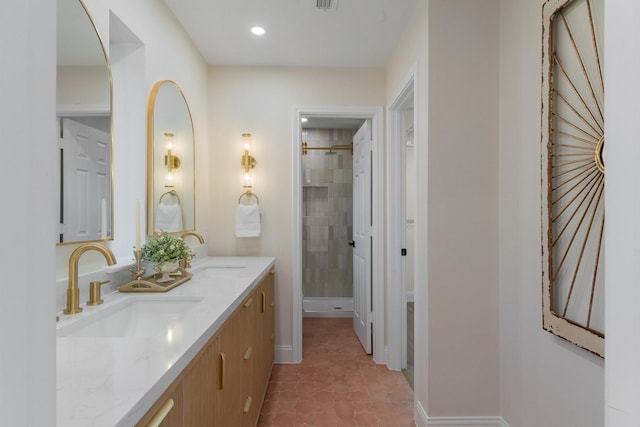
(359, 33)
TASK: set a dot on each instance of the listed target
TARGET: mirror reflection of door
(85, 153)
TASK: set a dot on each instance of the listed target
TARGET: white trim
(338, 314)
(375, 114)
(327, 303)
(396, 234)
(466, 421)
(83, 110)
(283, 354)
(423, 420)
(333, 307)
(420, 416)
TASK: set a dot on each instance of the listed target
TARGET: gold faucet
(185, 263)
(73, 292)
(193, 233)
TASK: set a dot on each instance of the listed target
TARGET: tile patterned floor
(336, 385)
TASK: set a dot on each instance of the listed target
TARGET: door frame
(396, 219)
(375, 114)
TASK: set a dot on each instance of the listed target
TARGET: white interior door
(86, 157)
(362, 226)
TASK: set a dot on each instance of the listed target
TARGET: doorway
(327, 219)
(375, 307)
(402, 223)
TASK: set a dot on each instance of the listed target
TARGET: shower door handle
(352, 243)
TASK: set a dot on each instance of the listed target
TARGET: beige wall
(544, 381)
(261, 101)
(463, 208)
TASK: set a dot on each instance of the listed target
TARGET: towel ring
(249, 193)
(172, 193)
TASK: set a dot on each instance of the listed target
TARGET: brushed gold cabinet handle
(273, 271)
(247, 354)
(161, 414)
(249, 302)
(221, 371)
(264, 302)
(247, 404)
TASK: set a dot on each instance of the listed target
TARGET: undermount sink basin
(131, 318)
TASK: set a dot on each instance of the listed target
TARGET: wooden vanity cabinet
(229, 361)
(257, 358)
(225, 384)
(199, 387)
(247, 342)
(267, 329)
(167, 409)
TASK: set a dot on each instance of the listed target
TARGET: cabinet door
(268, 321)
(229, 385)
(167, 411)
(199, 388)
(251, 357)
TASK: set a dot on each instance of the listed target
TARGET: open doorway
(373, 308)
(327, 216)
(402, 223)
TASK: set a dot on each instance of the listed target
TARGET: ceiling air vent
(327, 4)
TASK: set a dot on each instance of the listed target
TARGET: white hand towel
(247, 220)
(168, 217)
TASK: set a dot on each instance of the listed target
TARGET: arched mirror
(170, 161)
(83, 98)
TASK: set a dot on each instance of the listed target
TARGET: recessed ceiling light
(258, 31)
(304, 120)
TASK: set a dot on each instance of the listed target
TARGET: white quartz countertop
(106, 382)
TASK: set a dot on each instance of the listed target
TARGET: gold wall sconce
(171, 161)
(247, 161)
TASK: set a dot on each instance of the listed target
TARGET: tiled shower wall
(327, 259)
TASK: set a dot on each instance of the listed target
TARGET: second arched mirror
(170, 161)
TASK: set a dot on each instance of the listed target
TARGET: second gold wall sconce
(247, 161)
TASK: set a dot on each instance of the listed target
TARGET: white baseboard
(283, 354)
(424, 420)
(327, 307)
(420, 415)
(328, 314)
(466, 422)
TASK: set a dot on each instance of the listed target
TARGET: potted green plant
(165, 252)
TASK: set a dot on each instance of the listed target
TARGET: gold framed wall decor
(573, 171)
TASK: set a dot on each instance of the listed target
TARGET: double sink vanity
(196, 355)
(200, 354)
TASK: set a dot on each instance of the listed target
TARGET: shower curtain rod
(306, 148)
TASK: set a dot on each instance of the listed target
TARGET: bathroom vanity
(200, 354)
